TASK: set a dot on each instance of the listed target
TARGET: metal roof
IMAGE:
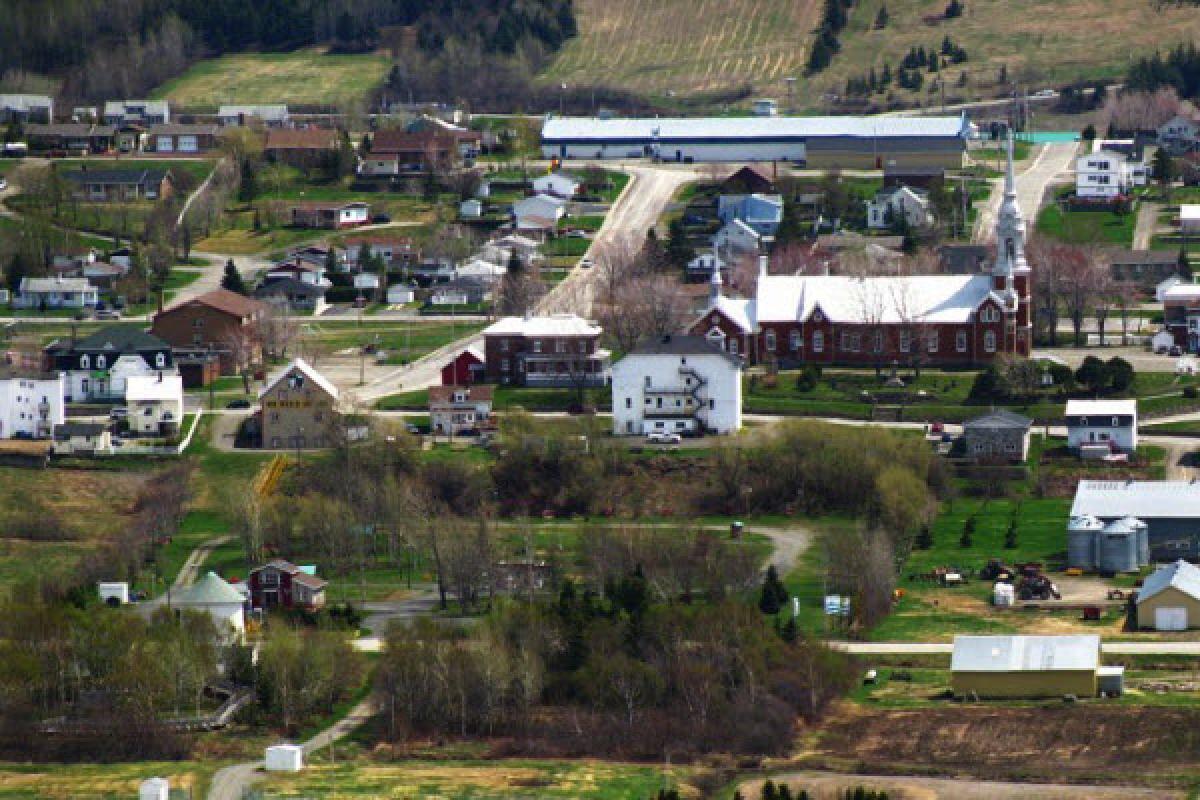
(1142, 499)
(553, 325)
(735, 128)
(306, 369)
(210, 590)
(680, 345)
(1025, 653)
(999, 419)
(1181, 575)
(1101, 408)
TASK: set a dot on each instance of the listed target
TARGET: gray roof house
(271, 115)
(999, 434)
(26, 108)
(141, 112)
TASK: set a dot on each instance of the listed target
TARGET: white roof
(479, 266)
(269, 111)
(844, 298)
(1141, 499)
(24, 102)
(1181, 575)
(1182, 291)
(671, 128)
(1101, 408)
(1025, 653)
(153, 388)
(553, 325)
(307, 370)
(120, 106)
(1189, 212)
(738, 310)
(38, 285)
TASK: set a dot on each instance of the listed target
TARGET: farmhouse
(557, 350)
(1102, 426)
(1169, 599)
(221, 322)
(31, 403)
(454, 410)
(899, 203)
(304, 148)
(1025, 666)
(97, 366)
(838, 319)
(282, 584)
(155, 404)
(185, 139)
(271, 115)
(73, 137)
(813, 142)
(299, 408)
(677, 384)
(26, 108)
(330, 215)
(999, 434)
(1170, 510)
(120, 185)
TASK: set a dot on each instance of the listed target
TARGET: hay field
(687, 46)
(303, 78)
(97, 781)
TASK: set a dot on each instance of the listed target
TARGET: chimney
(762, 265)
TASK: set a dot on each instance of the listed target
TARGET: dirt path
(1147, 225)
(1179, 457)
(823, 785)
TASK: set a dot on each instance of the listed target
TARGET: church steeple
(1010, 229)
(715, 282)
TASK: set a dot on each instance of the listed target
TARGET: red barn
(464, 370)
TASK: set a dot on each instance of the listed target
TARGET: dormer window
(85, 361)
(101, 362)
(160, 360)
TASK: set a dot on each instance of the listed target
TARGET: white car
(585, 263)
(3, 184)
(664, 438)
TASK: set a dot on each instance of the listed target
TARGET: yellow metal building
(1025, 666)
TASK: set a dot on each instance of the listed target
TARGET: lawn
(245, 241)
(100, 781)
(305, 77)
(1087, 227)
(508, 398)
(400, 341)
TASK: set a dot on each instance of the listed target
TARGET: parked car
(664, 438)
(238, 403)
(380, 219)
(577, 234)
(1176, 350)
(585, 263)
(118, 412)
(1161, 350)
(108, 314)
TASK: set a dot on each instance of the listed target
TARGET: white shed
(284, 758)
(113, 593)
(471, 208)
(399, 294)
(154, 789)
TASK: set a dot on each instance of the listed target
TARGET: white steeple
(1010, 228)
(715, 282)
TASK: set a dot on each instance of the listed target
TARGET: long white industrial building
(819, 142)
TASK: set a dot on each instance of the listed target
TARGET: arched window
(101, 362)
(769, 341)
(989, 341)
(160, 360)
(795, 341)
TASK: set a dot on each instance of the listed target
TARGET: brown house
(557, 350)
(299, 409)
(419, 150)
(120, 185)
(220, 321)
(303, 148)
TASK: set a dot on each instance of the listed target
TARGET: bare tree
(871, 303)
(278, 327)
(1047, 286)
(1076, 275)
(1131, 112)
(1104, 289)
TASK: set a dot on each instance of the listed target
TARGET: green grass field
(100, 781)
(1086, 227)
(304, 77)
(401, 341)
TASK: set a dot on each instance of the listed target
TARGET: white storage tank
(284, 758)
(1003, 595)
(1082, 532)
(1118, 548)
(154, 789)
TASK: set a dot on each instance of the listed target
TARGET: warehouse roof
(734, 128)
(1181, 575)
(1141, 499)
(208, 591)
(1025, 653)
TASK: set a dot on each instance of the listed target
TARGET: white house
(1162, 341)
(31, 404)
(273, 116)
(82, 438)
(399, 294)
(540, 212)
(1100, 426)
(155, 403)
(219, 600)
(558, 184)
(1179, 134)
(704, 263)
(762, 212)
(1166, 285)
(738, 237)
(899, 201)
(140, 112)
(677, 384)
(1105, 174)
(154, 789)
(500, 250)
(1189, 218)
(471, 208)
(482, 269)
(56, 292)
(457, 409)
(380, 165)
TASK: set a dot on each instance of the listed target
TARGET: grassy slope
(658, 46)
(303, 77)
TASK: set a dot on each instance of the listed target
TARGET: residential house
(1179, 134)
(555, 350)
(1169, 599)
(31, 403)
(333, 216)
(749, 179)
(299, 295)
(71, 137)
(998, 435)
(400, 151)
(500, 250)
(701, 267)
(269, 115)
(1145, 268)
(399, 294)
(465, 369)
(1160, 292)
(677, 384)
(137, 112)
(557, 184)
(221, 322)
(120, 185)
(1189, 218)
(1181, 314)
(481, 269)
(155, 404)
(539, 213)
(305, 148)
(220, 600)
(104, 275)
(58, 292)
(1029, 667)
(305, 272)
(82, 438)
(455, 410)
(366, 281)
(299, 408)
(182, 139)
(98, 365)
(25, 108)
(964, 259)
(1106, 174)
(1170, 511)
(762, 212)
(397, 251)
(1098, 427)
(282, 584)
(737, 237)
(888, 207)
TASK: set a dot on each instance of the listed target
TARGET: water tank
(1118, 550)
(1081, 541)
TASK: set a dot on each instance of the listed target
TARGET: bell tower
(1010, 272)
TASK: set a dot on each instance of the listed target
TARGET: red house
(281, 584)
(466, 369)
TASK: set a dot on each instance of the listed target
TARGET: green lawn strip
(508, 398)
(400, 341)
(1087, 226)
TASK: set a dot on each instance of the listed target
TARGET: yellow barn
(1025, 666)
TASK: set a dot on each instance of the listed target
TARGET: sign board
(837, 605)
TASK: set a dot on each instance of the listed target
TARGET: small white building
(82, 438)
(284, 758)
(1102, 426)
(155, 403)
(896, 202)
(765, 107)
(219, 600)
(367, 281)
(113, 593)
(482, 269)
(154, 789)
(470, 208)
(1166, 285)
(540, 212)
(1106, 174)
(1162, 341)
(399, 294)
(677, 384)
(270, 115)
(557, 184)
(57, 292)
(31, 404)
(1189, 218)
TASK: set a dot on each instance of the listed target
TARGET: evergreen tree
(248, 186)
(232, 279)
(1163, 170)
(1089, 132)
(881, 19)
(790, 631)
(679, 250)
(885, 77)
(774, 594)
(954, 9)
(924, 538)
(819, 57)
(965, 540)
(515, 265)
(872, 81)
(331, 260)
(1010, 536)
(768, 791)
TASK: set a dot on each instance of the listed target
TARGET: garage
(1170, 618)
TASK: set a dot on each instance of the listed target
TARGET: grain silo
(1082, 533)
(1118, 547)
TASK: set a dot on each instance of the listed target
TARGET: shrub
(1190, 392)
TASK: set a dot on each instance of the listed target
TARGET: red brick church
(840, 319)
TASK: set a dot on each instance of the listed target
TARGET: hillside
(688, 47)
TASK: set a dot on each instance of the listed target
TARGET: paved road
(827, 784)
(1050, 166)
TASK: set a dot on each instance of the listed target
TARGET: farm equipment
(996, 570)
(1034, 585)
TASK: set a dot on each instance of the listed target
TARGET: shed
(284, 758)
(154, 789)
(114, 593)
(1169, 599)
(1025, 666)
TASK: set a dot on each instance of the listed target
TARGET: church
(927, 320)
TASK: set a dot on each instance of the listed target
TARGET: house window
(198, 322)
(877, 341)
(818, 342)
(769, 341)
(160, 360)
(905, 341)
(537, 345)
(648, 382)
(1115, 422)
(85, 362)
(504, 345)
(560, 346)
(960, 341)
(101, 362)
(629, 402)
(795, 341)
(733, 346)
(989, 341)
(504, 365)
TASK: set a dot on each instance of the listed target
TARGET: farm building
(1170, 509)
(1169, 599)
(1121, 545)
(1025, 666)
(814, 142)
